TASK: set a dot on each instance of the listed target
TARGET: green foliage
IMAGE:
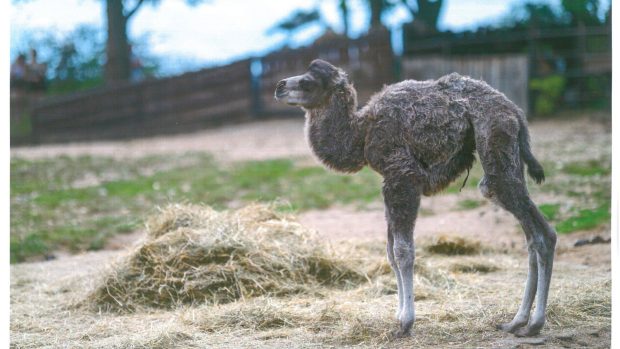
(548, 90)
(599, 87)
(584, 11)
(75, 60)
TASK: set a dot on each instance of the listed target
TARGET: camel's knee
(404, 253)
(544, 244)
(508, 193)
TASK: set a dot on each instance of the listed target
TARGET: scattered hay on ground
(194, 254)
(580, 303)
(452, 245)
(340, 318)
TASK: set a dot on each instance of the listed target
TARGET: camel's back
(430, 117)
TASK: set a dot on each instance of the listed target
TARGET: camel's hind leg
(505, 184)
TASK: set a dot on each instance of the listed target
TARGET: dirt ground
(43, 293)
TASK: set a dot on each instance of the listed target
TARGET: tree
(582, 12)
(344, 13)
(377, 8)
(296, 21)
(118, 50)
(425, 14)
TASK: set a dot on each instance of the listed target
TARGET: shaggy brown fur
(420, 136)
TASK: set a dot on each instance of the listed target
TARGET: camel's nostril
(280, 89)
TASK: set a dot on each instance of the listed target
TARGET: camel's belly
(434, 140)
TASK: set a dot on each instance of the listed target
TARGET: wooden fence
(177, 104)
(506, 73)
(581, 55)
(208, 97)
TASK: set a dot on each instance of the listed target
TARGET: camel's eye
(307, 84)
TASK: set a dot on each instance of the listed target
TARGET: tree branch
(133, 10)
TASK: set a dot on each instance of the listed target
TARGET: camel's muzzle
(280, 90)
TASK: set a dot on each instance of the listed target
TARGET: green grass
(469, 204)
(578, 218)
(77, 204)
(53, 207)
(585, 219)
(550, 211)
(588, 168)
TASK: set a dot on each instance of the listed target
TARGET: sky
(220, 31)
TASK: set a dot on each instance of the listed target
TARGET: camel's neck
(335, 132)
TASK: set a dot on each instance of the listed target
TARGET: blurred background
(108, 69)
(120, 107)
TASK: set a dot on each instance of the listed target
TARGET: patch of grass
(585, 219)
(78, 203)
(303, 187)
(30, 245)
(469, 204)
(550, 211)
(588, 168)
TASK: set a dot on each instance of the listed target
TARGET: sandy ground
(285, 138)
(47, 289)
(249, 141)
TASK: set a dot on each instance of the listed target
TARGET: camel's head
(312, 89)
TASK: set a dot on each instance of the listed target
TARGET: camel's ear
(327, 72)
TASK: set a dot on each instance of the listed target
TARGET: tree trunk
(427, 16)
(344, 12)
(117, 66)
(376, 9)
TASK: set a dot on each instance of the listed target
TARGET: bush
(548, 92)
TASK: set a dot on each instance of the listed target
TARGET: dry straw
(194, 254)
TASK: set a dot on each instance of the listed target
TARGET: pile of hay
(194, 254)
(454, 245)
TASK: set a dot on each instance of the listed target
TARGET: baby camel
(420, 136)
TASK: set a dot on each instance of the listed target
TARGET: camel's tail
(534, 169)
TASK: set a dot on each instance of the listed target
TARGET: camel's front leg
(392, 260)
(401, 206)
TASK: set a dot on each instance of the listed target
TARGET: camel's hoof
(510, 327)
(401, 334)
(528, 331)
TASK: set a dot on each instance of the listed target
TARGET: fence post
(256, 73)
